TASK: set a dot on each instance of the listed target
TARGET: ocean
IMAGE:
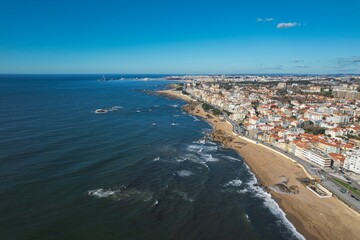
(143, 170)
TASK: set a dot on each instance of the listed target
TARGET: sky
(180, 36)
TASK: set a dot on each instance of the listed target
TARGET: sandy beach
(313, 217)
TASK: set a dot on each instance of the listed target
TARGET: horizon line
(182, 74)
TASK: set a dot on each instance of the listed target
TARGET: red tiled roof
(301, 144)
(337, 156)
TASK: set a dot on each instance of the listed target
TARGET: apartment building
(317, 156)
(352, 161)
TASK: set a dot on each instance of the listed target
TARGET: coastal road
(326, 179)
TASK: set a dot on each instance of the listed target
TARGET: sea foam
(201, 147)
(101, 193)
(273, 207)
(196, 119)
(184, 173)
(234, 183)
(232, 158)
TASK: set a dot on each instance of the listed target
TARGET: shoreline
(313, 217)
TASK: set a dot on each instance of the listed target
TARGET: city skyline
(180, 37)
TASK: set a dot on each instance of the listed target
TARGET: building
(329, 147)
(338, 118)
(281, 85)
(346, 92)
(335, 132)
(352, 161)
(312, 89)
(297, 147)
(338, 160)
(317, 156)
(314, 116)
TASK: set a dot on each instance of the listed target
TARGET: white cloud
(349, 61)
(288, 25)
(265, 19)
(346, 64)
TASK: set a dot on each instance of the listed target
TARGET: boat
(100, 110)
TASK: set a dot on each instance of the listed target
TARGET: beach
(313, 217)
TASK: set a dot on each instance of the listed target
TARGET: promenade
(314, 217)
(315, 172)
(309, 168)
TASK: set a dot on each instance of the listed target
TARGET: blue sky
(180, 36)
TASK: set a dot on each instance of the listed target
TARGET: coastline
(313, 217)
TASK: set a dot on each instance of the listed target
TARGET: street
(325, 179)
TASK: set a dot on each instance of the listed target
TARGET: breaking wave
(242, 191)
(234, 183)
(184, 173)
(123, 194)
(101, 193)
(201, 147)
(210, 158)
(272, 206)
(232, 158)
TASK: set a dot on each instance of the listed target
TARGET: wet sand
(313, 217)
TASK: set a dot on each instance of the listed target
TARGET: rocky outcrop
(189, 107)
(283, 188)
(221, 136)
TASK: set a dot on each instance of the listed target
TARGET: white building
(338, 118)
(316, 156)
(281, 85)
(314, 116)
(335, 132)
(352, 161)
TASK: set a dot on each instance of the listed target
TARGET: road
(325, 179)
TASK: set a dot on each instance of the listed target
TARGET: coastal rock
(221, 136)
(189, 107)
(283, 188)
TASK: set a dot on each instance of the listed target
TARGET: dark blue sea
(140, 171)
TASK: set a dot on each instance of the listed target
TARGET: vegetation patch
(208, 107)
(311, 128)
(348, 186)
